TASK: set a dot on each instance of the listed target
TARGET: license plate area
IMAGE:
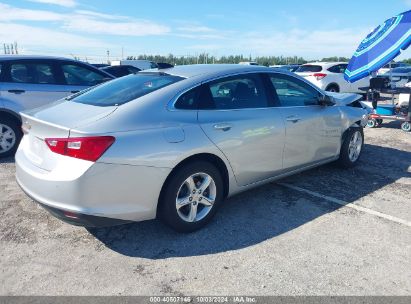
(37, 150)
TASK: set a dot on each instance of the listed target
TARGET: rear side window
(309, 68)
(81, 76)
(122, 90)
(239, 92)
(339, 68)
(37, 73)
(189, 100)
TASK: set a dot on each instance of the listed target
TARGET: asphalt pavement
(326, 231)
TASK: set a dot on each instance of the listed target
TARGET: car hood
(344, 99)
(350, 99)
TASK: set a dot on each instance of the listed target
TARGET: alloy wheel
(355, 146)
(196, 197)
(7, 138)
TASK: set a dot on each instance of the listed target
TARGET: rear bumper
(104, 194)
(78, 219)
(84, 220)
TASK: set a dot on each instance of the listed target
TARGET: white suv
(329, 76)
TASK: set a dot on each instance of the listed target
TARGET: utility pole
(108, 56)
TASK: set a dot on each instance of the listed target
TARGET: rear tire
(371, 123)
(406, 126)
(351, 147)
(333, 88)
(191, 196)
(10, 136)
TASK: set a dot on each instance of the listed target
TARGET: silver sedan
(174, 143)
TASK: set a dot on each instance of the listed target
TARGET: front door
(313, 132)
(236, 116)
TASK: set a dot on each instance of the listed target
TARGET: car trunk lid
(55, 122)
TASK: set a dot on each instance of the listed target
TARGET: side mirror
(325, 100)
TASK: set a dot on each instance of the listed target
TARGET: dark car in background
(28, 82)
(100, 65)
(397, 77)
(120, 70)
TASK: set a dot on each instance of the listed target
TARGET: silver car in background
(27, 82)
(174, 143)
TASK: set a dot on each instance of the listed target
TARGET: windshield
(309, 69)
(122, 90)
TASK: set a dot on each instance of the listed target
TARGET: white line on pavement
(346, 204)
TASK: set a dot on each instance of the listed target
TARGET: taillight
(319, 76)
(87, 148)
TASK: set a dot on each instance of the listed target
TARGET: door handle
(74, 92)
(293, 119)
(16, 91)
(223, 126)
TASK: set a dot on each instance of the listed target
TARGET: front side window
(293, 92)
(81, 76)
(238, 92)
(122, 90)
(36, 73)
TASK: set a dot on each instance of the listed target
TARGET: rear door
(335, 74)
(236, 114)
(313, 132)
(27, 84)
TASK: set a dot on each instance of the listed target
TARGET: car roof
(402, 70)
(325, 63)
(189, 71)
(17, 57)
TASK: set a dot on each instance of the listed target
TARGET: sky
(312, 29)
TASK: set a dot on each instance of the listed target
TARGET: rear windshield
(309, 68)
(122, 90)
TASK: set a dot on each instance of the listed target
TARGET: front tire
(191, 196)
(351, 147)
(10, 136)
(406, 126)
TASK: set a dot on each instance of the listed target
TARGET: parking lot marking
(349, 205)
